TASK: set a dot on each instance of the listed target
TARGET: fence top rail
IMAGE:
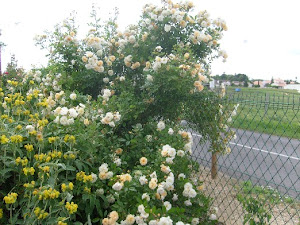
(277, 100)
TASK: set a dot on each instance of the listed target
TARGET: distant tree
(272, 80)
(236, 77)
(13, 72)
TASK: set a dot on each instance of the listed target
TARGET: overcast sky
(262, 41)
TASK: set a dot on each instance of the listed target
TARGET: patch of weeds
(270, 194)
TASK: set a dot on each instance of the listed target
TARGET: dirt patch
(224, 190)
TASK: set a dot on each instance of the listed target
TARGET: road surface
(264, 159)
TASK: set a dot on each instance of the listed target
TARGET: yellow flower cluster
(23, 161)
(13, 83)
(40, 214)
(4, 139)
(16, 139)
(51, 140)
(69, 156)
(61, 223)
(55, 154)
(65, 187)
(87, 190)
(48, 157)
(46, 194)
(1, 213)
(43, 122)
(10, 198)
(42, 157)
(45, 169)
(28, 147)
(82, 177)
(72, 208)
(70, 139)
(33, 117)
(29, 185)
(44, 103)
(28, 171)
(4, 116)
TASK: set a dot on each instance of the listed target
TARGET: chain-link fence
(260, 176)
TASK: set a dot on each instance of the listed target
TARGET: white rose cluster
(110, 118)
(189, 191)
(106, 94)
(104, 173)
(65, 116)
(158, 62)
(161, 125)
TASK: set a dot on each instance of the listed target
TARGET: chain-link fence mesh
(264, 163)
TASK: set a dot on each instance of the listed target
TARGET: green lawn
(267, 110)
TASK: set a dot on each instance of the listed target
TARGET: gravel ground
(224, 189)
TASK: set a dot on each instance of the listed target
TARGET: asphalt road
(264, 159)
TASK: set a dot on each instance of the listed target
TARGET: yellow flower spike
(72, 139)
(52, 139)
(29, 97)
(10, 198)
(80, 175)
(72, 208)
(8, 100)
(43, 122)
(17, 102)
(45, 169)
(36, 93)
(24, 161)
(31, 170)
(87, 178)
(4, 139)
(63, 187)
(37, 211)
(45, 214)
(28, 147)
(66, 138)
(16, 139)
(18, 160)
(87, 190)
(71, 186)
(61, 223)
(33, 133)
(28, 171)
(4, 116)
(48, 159)
(19, 127)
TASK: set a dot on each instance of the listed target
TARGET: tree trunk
(214, 166)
